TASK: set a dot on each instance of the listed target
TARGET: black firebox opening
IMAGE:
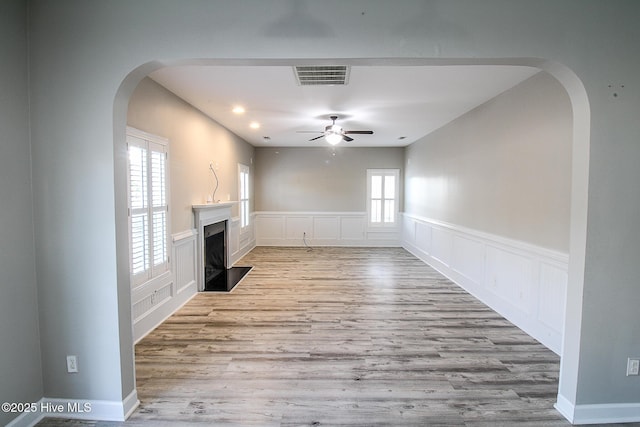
(214, 251)
(217, 277)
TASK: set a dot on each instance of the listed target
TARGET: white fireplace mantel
(206, 214)
(213, 206)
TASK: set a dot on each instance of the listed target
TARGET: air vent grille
(322, 75)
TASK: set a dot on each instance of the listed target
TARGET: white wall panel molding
(156, 300)
(352, 227)
(524, 283)
(184, 255)
(326, 227)
(320, 229)
(242, 241)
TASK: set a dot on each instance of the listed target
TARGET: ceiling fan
(333, 133)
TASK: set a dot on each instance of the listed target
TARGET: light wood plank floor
(341, 336)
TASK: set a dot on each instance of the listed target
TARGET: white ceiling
(392, 101)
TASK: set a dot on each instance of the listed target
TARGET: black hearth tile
(226, 280)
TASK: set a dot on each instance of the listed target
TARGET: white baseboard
(99, 410)
(607, 413)
(130, 404)
(27, 419)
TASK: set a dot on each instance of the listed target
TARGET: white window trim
(244, 203)
(384, 172)
(140, 138)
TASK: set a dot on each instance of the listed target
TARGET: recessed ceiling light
(254, 125)
(238, 109)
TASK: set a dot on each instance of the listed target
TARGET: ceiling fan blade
(317, 137)
(360, 132)
(346, 138)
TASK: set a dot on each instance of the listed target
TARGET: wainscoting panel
(553, 288)
(382, 235)
(441, 245)
(422, 236)
(524, 283)
(233, 239)
(158, 299)
(298, 226)
(241, 241)
(269, 228)
(509, 277)
(321, 229)
(352, 227)
(326, 228)
(468, 258)
(184, 247)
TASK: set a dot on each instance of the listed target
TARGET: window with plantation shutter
(243, 177)
(382, 197)
(148, 205)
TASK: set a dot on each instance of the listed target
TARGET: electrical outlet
(633, 366)
(72, 364)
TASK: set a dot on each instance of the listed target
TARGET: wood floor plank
(343, 337)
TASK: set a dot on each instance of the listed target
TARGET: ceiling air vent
(322, 75)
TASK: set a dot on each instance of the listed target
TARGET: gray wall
(503, 168)
(194, 141)
(82, 310)
(87, 57)
(20, 365)
(318, 179)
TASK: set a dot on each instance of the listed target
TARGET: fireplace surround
(207, 215)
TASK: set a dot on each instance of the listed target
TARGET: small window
(382, 197)
(148, 205)
(244, 195)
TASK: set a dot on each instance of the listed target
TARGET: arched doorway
(580, 165)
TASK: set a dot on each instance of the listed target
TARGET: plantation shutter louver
(244, 195)
(148, 208)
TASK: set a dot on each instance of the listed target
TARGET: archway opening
(579, 180)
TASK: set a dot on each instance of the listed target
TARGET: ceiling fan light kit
(333, 138)
(334, 134)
